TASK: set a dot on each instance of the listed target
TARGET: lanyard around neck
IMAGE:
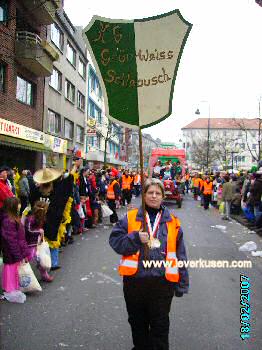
(153, 231)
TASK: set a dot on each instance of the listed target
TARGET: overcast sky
(221, 62)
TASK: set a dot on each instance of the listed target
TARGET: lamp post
(208, 130)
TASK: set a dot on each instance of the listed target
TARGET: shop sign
(20, 131)
(91, 132)
(91, 122)
(56, 144)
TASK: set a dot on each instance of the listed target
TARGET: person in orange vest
(196, 182)
(202, 179)
(126, 188)
(187, 179)
(137, 184)
(207, 190)
(113, 195)
(148, 292)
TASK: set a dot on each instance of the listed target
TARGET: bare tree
(223, 144)
(199, 153)
(256, 154)
(111, 133)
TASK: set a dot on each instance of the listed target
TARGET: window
(24, 91)
(82, 68)
(71, 54)
(3, 10)
(254, 146)
(2, 76)
(91, 109)
(99, 92)
(79, 134)
(112, 147)
(243, 159)
(56, 80)
(95, 112)
(57, 36)
(99, 116)
(98, 141)
(81, 101)
(54, 122)
(69, 129)
(242, 145)
(92, 82)
(69, 91)
(91, 140)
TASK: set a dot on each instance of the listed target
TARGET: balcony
(35, 54)
(43, 13)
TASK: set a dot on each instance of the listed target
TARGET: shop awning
(24, 144)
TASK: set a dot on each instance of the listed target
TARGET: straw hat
(46, 175)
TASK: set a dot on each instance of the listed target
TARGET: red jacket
(5, 192)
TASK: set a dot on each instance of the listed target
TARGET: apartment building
(65, 107)
(100, 132)
(26, 58)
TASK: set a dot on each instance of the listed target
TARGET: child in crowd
(34, 234)
(13, 243)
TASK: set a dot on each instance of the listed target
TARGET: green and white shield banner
(137, 63)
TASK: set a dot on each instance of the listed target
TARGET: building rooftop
(224, 123)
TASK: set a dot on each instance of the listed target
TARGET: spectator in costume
(59, 192)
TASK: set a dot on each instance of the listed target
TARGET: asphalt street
(84, 307)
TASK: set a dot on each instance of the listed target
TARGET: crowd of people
(232, 194)
(55, 206)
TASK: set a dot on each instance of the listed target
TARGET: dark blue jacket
(128, 244)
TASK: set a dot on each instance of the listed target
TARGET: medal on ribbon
(154, 242)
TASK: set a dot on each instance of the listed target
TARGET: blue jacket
(128, 244)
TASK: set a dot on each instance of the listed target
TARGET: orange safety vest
(126, 181)
(201, 183)
(137, 179)
(196, 181)
(110, 190)
(208, 187)
(129, 264)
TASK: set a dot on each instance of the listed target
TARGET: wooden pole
(146, 248)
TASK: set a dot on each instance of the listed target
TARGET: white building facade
(232, 142)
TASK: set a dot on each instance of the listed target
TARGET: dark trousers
(207, 200)
(112, 205)
(148, 303)
(126, 196)
(187, 185)
(196, 192)
(24, 203)
(137, 190)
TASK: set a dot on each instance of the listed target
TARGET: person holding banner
(150, 279)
